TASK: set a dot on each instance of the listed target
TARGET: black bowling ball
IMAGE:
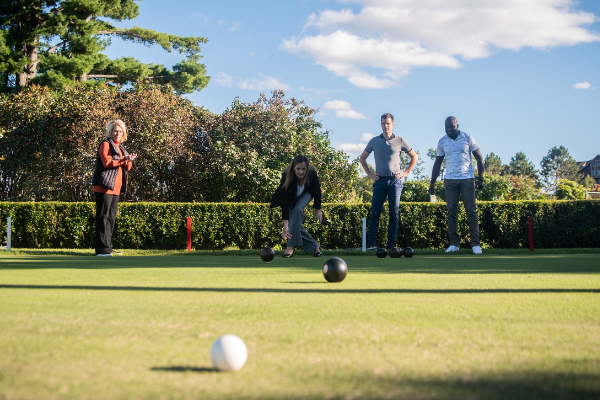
(381, 253)
(395, 252)
(267, 254)
(408, 252)
(335, 270)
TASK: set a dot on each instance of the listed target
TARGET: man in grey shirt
(387, 181)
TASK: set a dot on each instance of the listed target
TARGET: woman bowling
(299, 184)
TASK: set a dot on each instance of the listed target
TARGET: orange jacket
(108, 162)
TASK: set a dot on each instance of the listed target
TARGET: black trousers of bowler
(106, 213)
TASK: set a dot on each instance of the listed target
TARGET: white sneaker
(452, 249)
(104, 255)
(477, 250)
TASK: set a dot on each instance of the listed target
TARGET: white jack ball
(229, 353)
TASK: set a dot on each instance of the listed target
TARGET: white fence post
(8, 231)
(364, 236)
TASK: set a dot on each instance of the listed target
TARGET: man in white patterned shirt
(459, 179)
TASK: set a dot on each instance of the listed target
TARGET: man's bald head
(451, 127)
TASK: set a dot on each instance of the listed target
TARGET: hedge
(556, 224)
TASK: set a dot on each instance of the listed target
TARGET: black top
(286, 198)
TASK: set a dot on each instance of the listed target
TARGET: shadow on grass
(529, 385)
(508, 263)
(546, 386)
(183, 368)
(334, 289)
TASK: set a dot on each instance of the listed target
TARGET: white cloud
(365, 137)
(380, 43)
(343, 109)
(352, 148)
(265, 82)
(582, 85)
(205, 19)
(235, 26)
(224, 80)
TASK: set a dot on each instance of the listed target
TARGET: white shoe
(452, 249)
(477, 250)
(104, 255)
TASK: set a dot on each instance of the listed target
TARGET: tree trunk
(31, 52)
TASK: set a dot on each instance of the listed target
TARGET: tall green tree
(250, 144)
(59, 42)
(493, 164)
(520, 165)
(556, 165)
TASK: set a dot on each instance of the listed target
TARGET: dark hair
(299, 159)
(386, 116)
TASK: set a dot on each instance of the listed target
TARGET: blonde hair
(111, 126)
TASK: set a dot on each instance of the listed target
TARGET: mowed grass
(504, 325)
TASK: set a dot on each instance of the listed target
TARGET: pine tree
(59, 42)
(557, 165)
(521, 166)
(493, 164)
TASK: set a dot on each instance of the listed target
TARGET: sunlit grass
(508, 324)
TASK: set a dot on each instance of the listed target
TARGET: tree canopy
(493, 164)
(521, 166)
(184, 152)
(556, 165)
(59, 42)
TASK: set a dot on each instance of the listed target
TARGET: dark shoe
(318, 254)
(285, 255)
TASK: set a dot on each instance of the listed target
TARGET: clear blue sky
(519, 75)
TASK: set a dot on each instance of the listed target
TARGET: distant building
(591, 168)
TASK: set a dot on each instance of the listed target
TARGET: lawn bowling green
(508, 324)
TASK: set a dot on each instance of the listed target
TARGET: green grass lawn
(504, 325)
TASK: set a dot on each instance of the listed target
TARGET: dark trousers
(382, 188)
(454, 189)
(106, 212)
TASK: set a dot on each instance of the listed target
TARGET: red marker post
(189, 232)
(530, 221)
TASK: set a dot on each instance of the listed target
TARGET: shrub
(251, 225)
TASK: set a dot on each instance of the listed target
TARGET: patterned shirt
(458, 155)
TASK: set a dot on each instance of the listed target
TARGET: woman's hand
(319, 216)
(130, 157)
(285, 234)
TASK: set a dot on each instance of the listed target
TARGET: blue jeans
(382, 188)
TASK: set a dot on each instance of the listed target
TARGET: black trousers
(106, 212)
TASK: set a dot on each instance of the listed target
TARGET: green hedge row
(252, 226)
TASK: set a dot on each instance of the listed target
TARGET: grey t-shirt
(387, 153)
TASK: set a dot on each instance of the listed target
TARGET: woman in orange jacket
(109, 181)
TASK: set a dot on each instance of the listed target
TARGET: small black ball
(267, 254)
(335, 270)
(395, 252)
(381, 253)
(408, 252)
